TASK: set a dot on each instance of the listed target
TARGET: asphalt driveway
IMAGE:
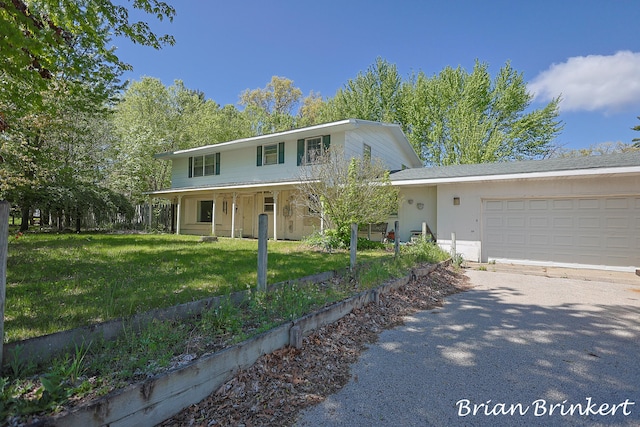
(517, 349)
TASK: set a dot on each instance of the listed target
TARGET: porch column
(150, 212)
(275, 215)
(178, 209)
(213, 215)
(233, 215)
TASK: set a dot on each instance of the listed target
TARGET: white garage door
(591, 231)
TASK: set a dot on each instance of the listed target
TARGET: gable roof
(342, 125)
(548, 168)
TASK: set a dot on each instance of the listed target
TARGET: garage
(570, 230)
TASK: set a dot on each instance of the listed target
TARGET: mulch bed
(281, 384)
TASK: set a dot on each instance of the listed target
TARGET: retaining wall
(156, 399)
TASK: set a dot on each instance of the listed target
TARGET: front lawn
(57, 282)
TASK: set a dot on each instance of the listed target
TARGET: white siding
(238, 165)
(382, 143)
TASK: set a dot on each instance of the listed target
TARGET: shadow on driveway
(516, 349)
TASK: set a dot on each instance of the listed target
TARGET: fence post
(396, 243)
(453, 245)
(4, 247)
(263, 229)
(354, 246)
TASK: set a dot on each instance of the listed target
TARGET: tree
(374, 95)
(600, 149)
(343, 191)
(271, 108)
(460, 117)
(47, 45)
(636, 141)
(56, 63)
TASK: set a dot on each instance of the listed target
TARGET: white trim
(222, 188)
(516, 176)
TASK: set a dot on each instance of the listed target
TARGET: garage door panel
(562, 222)
(617, 222)
(617, 203)
(589, 222)
(584, 230)
(589, 204)
(562, 204)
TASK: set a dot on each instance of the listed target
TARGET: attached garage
(580, 230)
(571, 212)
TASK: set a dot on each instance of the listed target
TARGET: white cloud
(592, 83)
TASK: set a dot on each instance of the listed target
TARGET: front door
(247, 216)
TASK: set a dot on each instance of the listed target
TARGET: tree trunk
(24, 226)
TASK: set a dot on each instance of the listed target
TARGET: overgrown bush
(332, 239)
(425, 251)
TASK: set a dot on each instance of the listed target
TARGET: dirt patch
(280, 384)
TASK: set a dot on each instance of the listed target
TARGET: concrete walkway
(516, 350)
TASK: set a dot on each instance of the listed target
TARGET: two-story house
(221, 189)
(580, 211)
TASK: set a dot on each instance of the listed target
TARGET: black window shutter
(281, 152)
(190, 167)
(259, 156)
(300, 152)
(326, 141)
(217, 163)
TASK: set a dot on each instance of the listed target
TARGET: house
(221, 189)
(579, 212)
(576, 212)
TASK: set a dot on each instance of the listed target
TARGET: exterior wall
(292, 221)
(382, 146)
(417, 205)
(465, 219)
(238, 165)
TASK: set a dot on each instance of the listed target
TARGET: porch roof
(257, 185)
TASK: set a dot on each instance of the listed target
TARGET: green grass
(61, 281)
(89, 274)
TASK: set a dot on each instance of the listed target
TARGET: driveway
(517, 349)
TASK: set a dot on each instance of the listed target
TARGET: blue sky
(587, 51)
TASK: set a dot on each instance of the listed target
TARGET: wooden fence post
(396, 243)
(263, 230)
(354, 246)
(4, 247)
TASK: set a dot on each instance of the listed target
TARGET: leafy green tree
(147, 121)
(48, 45)
(459, 117)
(343, 191)
(374, 95)
(271, 109)
(56, 63)
(636, 141)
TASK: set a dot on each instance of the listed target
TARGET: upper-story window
(310, 149)
(270, 154)
(206, 165)
(366, 153)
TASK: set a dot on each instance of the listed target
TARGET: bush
(333, 239)
(425, 251)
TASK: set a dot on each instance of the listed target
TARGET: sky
(586, 51)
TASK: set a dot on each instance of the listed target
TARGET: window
(271, 154)
(204, 165)
(366, 153)
(309, 149)
(205, 210)
(268, 204)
